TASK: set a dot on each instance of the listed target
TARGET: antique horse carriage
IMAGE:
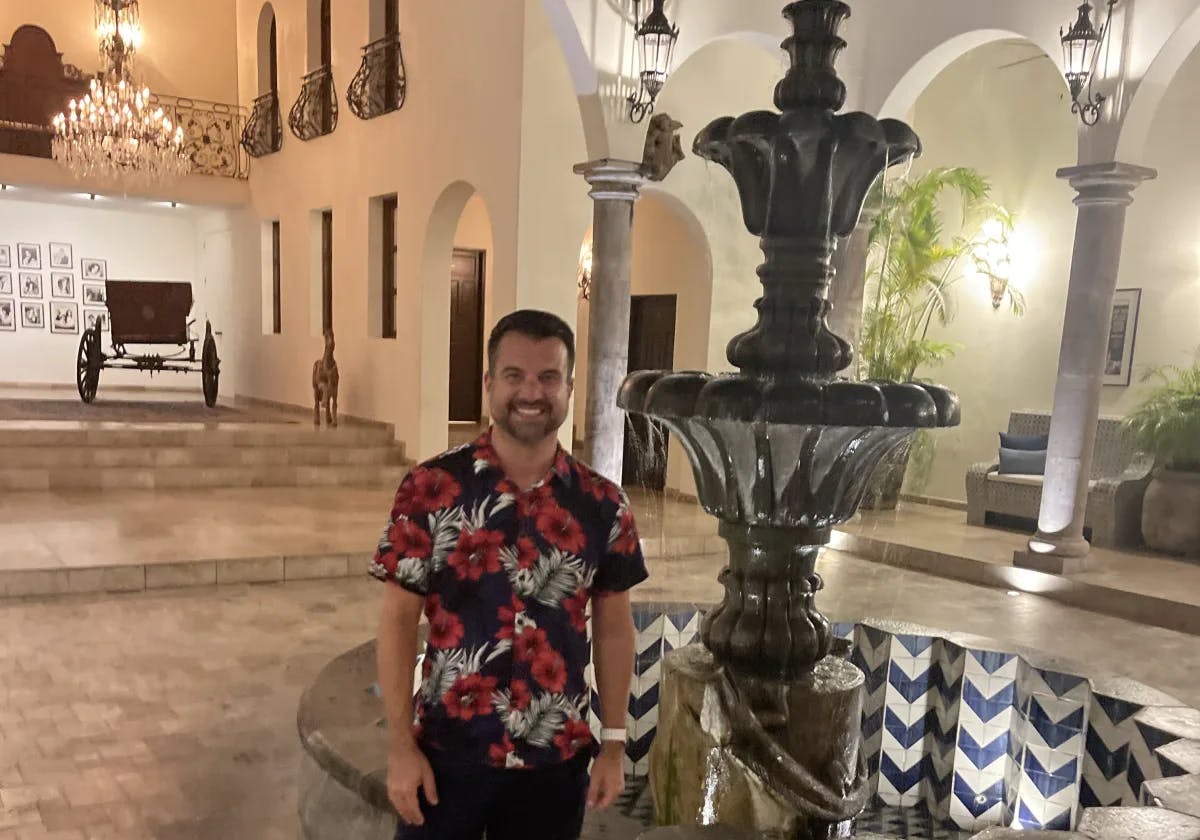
(147, 313)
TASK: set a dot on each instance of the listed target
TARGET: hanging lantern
(655, 38)
(1081, 45)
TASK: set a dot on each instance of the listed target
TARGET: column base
(1065, 557)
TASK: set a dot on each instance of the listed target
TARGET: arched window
(385, 19)
(268, 52)
(315, 112)
(263, 133)
(379, 85)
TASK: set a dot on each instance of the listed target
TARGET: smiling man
(505, 544)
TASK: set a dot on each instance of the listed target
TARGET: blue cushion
(1028, 443)
(1022, 461)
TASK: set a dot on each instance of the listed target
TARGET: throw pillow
(1028, 443)
(1022, 461)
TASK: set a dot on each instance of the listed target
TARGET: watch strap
(613, 735)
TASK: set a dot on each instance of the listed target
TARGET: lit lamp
(993, 261)
(1081, 45)
(585, 271)
(655, 37)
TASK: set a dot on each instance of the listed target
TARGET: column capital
(1106, 183)
(613, 179)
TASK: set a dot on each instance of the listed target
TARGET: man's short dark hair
(535, 324)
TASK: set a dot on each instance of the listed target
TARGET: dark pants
(543, 804)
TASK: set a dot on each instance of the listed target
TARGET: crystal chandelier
(115, 131)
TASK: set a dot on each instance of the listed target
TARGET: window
(326, 35)
(274, 58)
(276, 274)
(327, 270)
(388, 264)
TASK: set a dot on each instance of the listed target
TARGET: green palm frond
(1166, 424)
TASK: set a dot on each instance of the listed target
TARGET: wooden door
(651, 347)
(327, 270)
(466, 335)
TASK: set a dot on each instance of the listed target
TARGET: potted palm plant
(1166, 426)
(913, 266)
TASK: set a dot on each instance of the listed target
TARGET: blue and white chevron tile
(870, 653)
(1112, 774)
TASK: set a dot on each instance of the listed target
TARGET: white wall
(141, 244)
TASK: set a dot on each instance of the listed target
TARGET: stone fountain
(760, 726)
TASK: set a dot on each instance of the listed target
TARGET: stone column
(1105, 190)
(615, 185)
(849, 283)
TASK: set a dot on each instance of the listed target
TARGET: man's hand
(408, 771)
(608, 776)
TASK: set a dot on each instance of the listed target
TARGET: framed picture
(94, 295)
(29, 255)
(62, 284)
(33, 316)
(5, 256)
(31, 285)
(6, 283)
(61, 255)
(64, 317)
(8, 315)
(1122, 332)
(90, 269)
(93, 316)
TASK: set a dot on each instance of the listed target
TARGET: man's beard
(529, 430)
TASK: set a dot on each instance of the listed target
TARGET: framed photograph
(90, 269)
(93, 316)
(1122, 332)
(62, 284)
(94, 294)
(5, 256)
(33, 316)
(64, 317)
(61, 255)
(8, 315)
(6, 283)
(31, 285)
(29, 255)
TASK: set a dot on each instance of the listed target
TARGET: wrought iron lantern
(1081, 45)
(655, 37)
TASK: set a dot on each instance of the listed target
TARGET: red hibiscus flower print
(470, 695)
(445, 628)
(627, 536)
(508, 618)
(530, 643)
(531, 502)
(575, 735)
(409, 539)
(596, 487)
(521, 695)
(560, 528)
(477, 554)
(498, 753)
(426, 489)
(527, 553)
(485, 452)
(576, 607)
(550, 670)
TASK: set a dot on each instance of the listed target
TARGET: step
(1140, 823)
(1178, 793)
(88, 457)
(162, 478)
(56, 433)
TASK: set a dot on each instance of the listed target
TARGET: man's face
(528, 388)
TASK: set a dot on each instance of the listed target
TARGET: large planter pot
(1171, 513)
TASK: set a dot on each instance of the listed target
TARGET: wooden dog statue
(325, 385)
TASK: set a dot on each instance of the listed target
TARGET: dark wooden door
(327, 270)
(651, 347)
(466, 335)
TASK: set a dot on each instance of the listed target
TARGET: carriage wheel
(88, 364)
(210, 367)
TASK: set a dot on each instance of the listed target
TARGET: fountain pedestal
(787, 760)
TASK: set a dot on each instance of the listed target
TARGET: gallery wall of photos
(44, 288)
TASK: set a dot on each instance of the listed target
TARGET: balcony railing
(18, 138)
(315, 112)
(380, 84)
(263, 133)
(212, 132)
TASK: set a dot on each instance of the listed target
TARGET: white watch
(613, 735)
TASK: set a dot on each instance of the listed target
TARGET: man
(503, 544)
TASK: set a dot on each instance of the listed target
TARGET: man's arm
(396, 656)
(613, 638)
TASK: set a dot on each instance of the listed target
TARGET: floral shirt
(507, 578)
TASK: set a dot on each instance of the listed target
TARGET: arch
(384, 19)
(584, 77)
(268, 51)
(1148, 96)
(320, 33)
(903, 95)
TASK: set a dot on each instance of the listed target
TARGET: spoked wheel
(210, 367)
(88, 364)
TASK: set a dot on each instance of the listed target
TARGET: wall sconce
(585, 270)
(1081, 45)
(993, 260)
(655, 37)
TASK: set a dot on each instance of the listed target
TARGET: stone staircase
(50, 455)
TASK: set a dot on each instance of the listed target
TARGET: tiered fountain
(761, 725)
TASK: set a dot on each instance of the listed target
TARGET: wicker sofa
(1114, 502)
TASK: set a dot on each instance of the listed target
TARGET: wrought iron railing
(18, 138)
(315, 112)
(263, 133)
(380, 84)
(212, 132)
